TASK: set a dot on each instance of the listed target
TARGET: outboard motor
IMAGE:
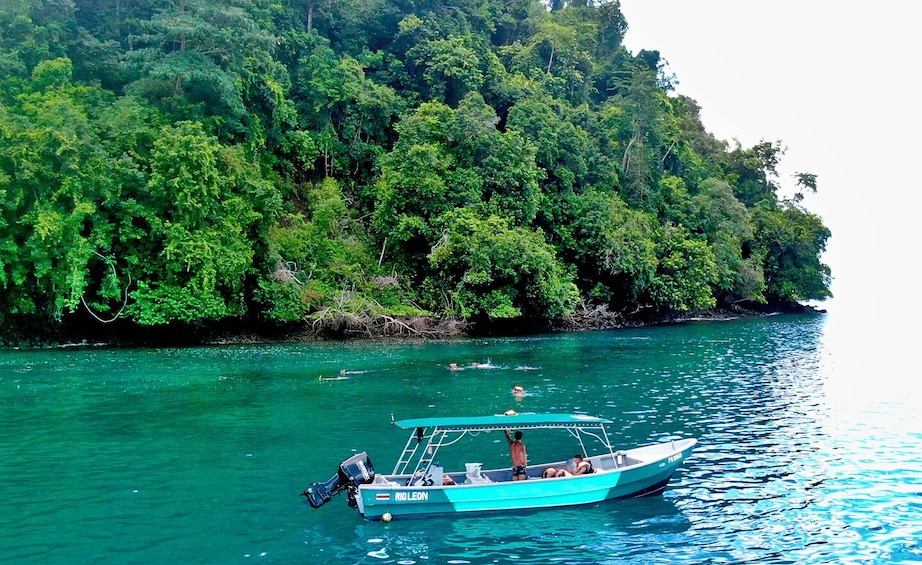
(355, 471)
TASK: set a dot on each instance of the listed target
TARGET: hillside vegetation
(361, 165)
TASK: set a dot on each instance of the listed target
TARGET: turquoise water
(809, 447)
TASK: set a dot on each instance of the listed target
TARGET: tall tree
(612, 246)
(189, 55)
(754, 172)
(791, 241)
(685, 272)
(486, 268)
(724, 223)
(205, 208)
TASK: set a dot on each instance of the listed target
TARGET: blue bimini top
(504, 422)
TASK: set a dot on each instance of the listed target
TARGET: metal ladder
(432, 447)
(409, 450)
(413, 445)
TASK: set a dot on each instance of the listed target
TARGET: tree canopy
(211, 160)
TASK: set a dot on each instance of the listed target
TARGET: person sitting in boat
(581, 466)
(575, 466)
(519, 456)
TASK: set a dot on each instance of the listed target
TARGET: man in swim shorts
(518, 454)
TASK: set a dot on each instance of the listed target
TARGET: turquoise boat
(418, 486)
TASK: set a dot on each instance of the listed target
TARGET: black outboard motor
(355, 471)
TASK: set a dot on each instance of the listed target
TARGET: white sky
(836, 82)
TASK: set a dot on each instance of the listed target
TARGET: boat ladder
(430, 446)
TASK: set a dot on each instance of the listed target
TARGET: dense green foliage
(201, 160)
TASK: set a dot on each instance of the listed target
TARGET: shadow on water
(602, 533)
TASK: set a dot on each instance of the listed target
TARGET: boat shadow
(583, 534)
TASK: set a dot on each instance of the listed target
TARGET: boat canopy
(428, 435)
(504, 422)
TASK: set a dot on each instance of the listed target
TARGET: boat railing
(602, 437)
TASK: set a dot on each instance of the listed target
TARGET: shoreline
(241, 332)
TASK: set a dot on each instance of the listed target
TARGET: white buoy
(386, 517)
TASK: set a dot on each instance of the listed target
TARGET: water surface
(808, 447)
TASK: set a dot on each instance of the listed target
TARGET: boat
(418, 486)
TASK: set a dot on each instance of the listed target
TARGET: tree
(204, 211)
(613, 247)
(647, 134)
(502, 164)
(344, 119)
(563, 148)
(52, 172)
(685, 272)
(724, 223)
(791, 241)
(451, 68)
(485, 268)
(806, 181)
(414, 185)
(518, 20)
(612, 28)
(446, 159)
(189, 58)
(753, 172)
(33, 31)
(313, 257)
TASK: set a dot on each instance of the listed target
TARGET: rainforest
(371, 167)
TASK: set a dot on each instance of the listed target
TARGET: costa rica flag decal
(382, 496)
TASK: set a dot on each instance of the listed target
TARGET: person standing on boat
(519, 456)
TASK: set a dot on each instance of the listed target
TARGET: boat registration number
(406, 496)
(674, 458)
